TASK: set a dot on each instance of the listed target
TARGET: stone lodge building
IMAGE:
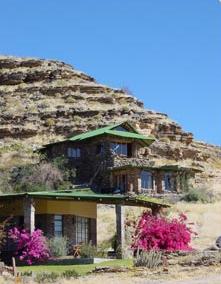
(110, 169)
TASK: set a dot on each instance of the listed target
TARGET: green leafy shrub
(102, 249)
(198, 195)
(149, 259)
(44, 176)
(88, 250)
(26, 273)
(45, 277)
(67, 274)
(58, 246)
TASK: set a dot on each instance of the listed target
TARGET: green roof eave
(89, 195)
(108, 131)
(146, 139)
(180, 168)
(92, 133)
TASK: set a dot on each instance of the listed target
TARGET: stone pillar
(120, 230)
(136, 180)
(29, 214)
(131, 188)
(187, 181)
(159, 182)
(139, 184)
(178, 183)
(154, 176)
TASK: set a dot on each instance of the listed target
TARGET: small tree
(160, 233)
(30, 248)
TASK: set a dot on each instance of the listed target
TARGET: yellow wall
(62, 207)
(79, 208)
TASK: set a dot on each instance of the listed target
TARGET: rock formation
(43, 100)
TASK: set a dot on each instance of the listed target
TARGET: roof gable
(112, 130)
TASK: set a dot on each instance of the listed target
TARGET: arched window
(146, 180)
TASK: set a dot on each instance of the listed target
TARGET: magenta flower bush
(31, 248)
(160, 233)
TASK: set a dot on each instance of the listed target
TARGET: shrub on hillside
(30, 248)
(160, 233)
(199, 195)
(45, 175)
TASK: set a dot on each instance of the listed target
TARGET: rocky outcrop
(43, 100)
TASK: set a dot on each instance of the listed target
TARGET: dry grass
(206, 218)
(106, 223)
(207, 221)
(175, 275)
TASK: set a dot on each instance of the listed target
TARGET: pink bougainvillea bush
(160, 233)
(31, 248)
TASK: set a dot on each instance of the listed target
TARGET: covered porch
(151, 179)
(72, 214)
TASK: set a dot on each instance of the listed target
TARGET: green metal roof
(109, 130)
(87, 194)
(176, 167)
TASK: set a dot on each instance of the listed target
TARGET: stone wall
(92, 167)
(180, 180)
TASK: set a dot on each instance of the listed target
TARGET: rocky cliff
(43, 100)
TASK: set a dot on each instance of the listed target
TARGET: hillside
(43, 100)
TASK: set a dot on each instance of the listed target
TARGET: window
(100, 149)
(58, 226)
(120, 183)
(146, 180)
(120, 128)
(168, 182)
(119, 149)
(74, 153)
(81, 230)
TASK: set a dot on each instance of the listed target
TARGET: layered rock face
(42, 101)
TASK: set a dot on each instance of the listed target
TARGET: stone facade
(96, 160)
(103, 170)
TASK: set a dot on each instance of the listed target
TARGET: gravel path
(112, 279)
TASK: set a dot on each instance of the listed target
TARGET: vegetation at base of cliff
(199, 195)
(41, 176)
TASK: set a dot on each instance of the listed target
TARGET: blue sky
(167, 52)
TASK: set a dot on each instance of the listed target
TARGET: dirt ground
(211, 278)
(205, 275)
